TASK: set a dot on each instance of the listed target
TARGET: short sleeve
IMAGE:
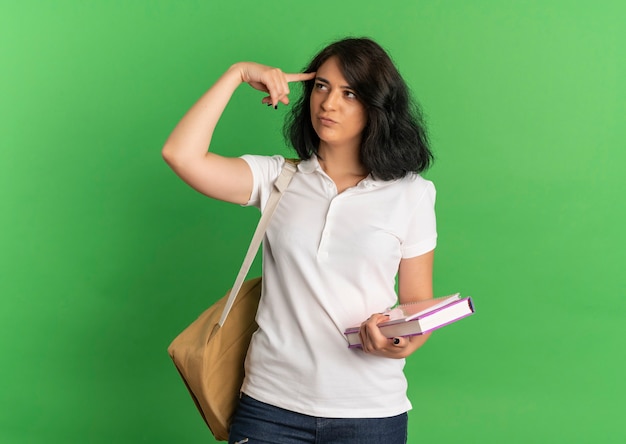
(421, 235)
(265, 170)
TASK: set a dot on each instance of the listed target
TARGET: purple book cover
(441, 312)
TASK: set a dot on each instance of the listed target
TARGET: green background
(105, 255)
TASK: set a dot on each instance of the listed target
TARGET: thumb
(397, 342)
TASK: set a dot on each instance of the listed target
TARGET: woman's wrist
(236, 70)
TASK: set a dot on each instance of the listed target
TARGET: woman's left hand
(375, 343)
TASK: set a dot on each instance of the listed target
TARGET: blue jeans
(258, 423)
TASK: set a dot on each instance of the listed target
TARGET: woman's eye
(350, 95)
(320, 86)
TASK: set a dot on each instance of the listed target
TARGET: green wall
(105, 255)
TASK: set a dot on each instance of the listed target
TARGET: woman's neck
(341, 161)
(343, 166)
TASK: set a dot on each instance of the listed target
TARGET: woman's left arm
(415, 283)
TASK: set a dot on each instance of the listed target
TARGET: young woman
(356, 215)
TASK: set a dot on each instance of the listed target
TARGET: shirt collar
(312, 165)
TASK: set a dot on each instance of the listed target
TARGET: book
(417, 318)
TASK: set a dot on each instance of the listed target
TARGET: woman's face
(337, 115)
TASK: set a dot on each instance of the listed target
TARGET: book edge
(436, 327)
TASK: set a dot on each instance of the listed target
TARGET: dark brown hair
(394, 141)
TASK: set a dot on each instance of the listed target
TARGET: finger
(366, 340)
(398, 342)
(300, 77)
(378, 318)
(371, 343)
(371, 337)
(278, 88)
(258, 85)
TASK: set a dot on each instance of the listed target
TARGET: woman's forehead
(330, 71)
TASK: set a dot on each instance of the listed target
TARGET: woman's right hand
(185, 151)
(272, 81)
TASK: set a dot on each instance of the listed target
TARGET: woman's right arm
(185, 151)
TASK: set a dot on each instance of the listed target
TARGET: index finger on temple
(299, 77)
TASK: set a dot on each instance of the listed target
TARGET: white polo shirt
(329, 262)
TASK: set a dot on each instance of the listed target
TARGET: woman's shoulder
(265, 169)
(264, 159)
(267, 165)
(415, 187)
(415, 181)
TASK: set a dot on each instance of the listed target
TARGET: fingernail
(276, 106)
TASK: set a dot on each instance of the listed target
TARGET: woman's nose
(330, 102)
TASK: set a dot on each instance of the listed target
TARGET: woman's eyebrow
(323, 80)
